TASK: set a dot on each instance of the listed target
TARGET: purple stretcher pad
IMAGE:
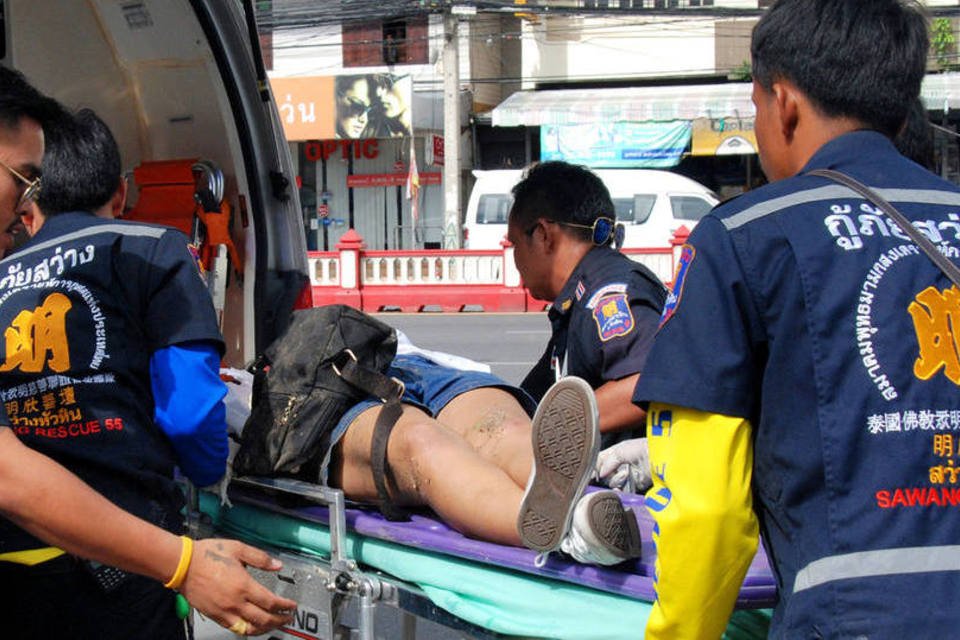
(630, 579)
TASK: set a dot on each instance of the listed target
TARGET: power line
(614, 27)
(666, 29)
(291, 14)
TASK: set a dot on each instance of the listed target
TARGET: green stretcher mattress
(502, 600)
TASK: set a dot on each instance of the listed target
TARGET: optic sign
(373, 105)
(315, 150)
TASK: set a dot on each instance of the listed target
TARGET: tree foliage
(943, 42)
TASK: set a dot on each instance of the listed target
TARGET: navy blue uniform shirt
(83, 306)
(801, 308)
(603, 323)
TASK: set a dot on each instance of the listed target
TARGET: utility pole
(452, 236)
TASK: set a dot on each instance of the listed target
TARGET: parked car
(652, 204)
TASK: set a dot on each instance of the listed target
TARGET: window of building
(394, 42)
(372, 44)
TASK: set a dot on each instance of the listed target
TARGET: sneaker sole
(565, 445)
(614, 526)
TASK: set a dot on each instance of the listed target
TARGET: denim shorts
(430, 387)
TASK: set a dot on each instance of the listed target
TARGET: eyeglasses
(356, 108)
(602, 230)
(32, 190)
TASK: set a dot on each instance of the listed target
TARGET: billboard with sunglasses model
(371, 105)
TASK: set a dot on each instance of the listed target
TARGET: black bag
(301, 389)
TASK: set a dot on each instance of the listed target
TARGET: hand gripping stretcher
(343, 563)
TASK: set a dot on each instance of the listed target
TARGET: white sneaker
(566, 440)
(603, 531)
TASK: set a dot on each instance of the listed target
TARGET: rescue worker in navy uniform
(605, 306)
(110, 365)
(804, 382)
(459, 424)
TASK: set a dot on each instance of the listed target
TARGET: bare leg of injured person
(472, 465)
(435, 467)
(495, 426)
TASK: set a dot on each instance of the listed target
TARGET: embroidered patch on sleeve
(687, 254)
(604, 291)
(613, 316)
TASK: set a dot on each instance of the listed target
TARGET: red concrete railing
(440, 280)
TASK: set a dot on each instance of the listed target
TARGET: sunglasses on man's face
(602, 231)
(31, 187)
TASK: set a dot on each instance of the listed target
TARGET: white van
(651, 204)
(182, 80)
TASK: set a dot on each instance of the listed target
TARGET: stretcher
(343, 562)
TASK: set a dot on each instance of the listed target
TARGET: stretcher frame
(330, 589)
(338, 598)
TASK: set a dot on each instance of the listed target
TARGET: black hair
(561, 192)
(384, 80)
(915, 139)
(342, 86)
(19, 99)
(381, 125)
(81, 164)
(860, 59)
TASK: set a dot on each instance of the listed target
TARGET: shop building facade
(667, 89)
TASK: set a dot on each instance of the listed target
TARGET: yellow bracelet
(186, 554)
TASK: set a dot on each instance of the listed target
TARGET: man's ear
(547, 233)
(119, 199)
(31, 217)
(786, 100)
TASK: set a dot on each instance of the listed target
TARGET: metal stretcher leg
(326, 592)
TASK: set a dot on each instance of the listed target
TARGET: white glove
(237, 401)
(625, 466)
(221, 486)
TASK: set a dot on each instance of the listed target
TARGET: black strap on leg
(387, 418)
(390, 391)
